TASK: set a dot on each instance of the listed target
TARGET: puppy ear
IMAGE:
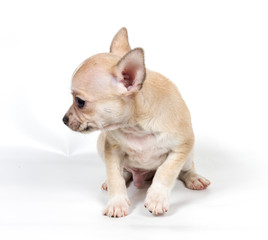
(131, 70)
(120, 45)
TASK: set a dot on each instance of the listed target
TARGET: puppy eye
(80, 103)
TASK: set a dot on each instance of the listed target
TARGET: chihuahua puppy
(146, 130)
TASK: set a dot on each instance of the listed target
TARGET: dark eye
(80, 103)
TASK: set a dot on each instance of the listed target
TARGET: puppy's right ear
(130, 72)
(120, 45)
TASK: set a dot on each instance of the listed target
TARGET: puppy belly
(140, 175)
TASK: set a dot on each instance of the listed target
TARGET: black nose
(65, 120)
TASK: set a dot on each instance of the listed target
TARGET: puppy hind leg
(190, 178)
(127, 176)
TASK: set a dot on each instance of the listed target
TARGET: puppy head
(104, 85)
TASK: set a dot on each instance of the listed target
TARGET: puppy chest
(143, 150)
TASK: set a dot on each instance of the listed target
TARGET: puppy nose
(65, 120)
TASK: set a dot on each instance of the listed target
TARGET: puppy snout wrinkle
(65, 120)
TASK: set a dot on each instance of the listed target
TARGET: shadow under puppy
(146, 129)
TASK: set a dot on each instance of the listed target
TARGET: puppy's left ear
(130, 71)
(120, 45)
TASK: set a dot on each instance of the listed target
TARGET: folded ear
(130, 71)
(120, 45)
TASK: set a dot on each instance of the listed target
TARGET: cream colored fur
(144, 124)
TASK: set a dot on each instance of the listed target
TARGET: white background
(217, 54)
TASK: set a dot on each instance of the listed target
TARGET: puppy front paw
(117, 206)
(157, 200)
